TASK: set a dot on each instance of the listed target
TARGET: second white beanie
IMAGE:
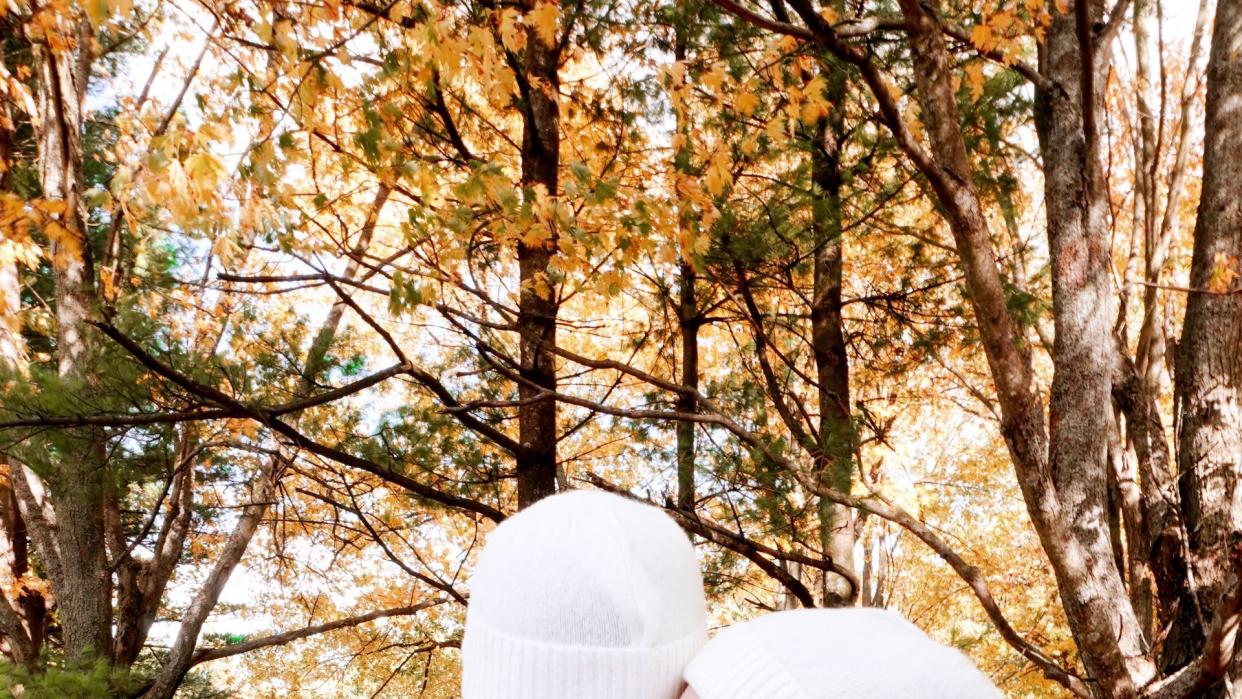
(583, 595)
(833, 654)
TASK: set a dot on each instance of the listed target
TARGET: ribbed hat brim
(735, 666)
(500, 666)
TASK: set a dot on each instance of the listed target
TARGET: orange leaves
(746, 103)
(18, 219)
(1224, 271)
(544, 19)
(512, 32)
(718, 176)
(1001, 32)
(975, 79)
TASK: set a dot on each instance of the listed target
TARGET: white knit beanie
(583, 595)
(833, 654)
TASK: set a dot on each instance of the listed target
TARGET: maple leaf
(975, 79)
(981, 36)
(718, 176)
(511, 33)
(544, 18)
(746, 102)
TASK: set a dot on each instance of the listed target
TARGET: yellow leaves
(610, 282)
(107, 280)
(714, 79)
(975, 79)
(19, 94)
(400, 11)
(227, 250)
(811, 112)
(18, 218)
(815, 106)
(1224, 272)
(285, 39)
(982, 37)
(544, 19)
(1000, 32)
(206, 168)
(746, 103)
(96, 11)
(718, 176)
(512, 33)
(541, 226)
(66, 244)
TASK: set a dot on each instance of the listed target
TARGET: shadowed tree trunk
(1209, 359)
(688, 316)
(689, 320)
(537, 303)
(836, 438)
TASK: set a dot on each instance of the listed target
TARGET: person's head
(832, 654)
(583, 595)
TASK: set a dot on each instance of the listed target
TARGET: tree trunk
(78, 485)
(836, 438)
(537, 304)
(688, 320)
(1105, 627)
(1084, 347)
(12, 346)
(1209, 357)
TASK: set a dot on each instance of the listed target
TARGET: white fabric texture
(833, 654)
(583, 595)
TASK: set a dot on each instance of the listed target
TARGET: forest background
(930, 305)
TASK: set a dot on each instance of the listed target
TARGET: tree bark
(1209, 357)
(537, 303)
(78, 486)
(1084, 345)
(1074, 531)
(837, 441)
(688, 320)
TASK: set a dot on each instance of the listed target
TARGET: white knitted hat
(583, 595)
(833, 654)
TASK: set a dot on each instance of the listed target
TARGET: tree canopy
(931, 305)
